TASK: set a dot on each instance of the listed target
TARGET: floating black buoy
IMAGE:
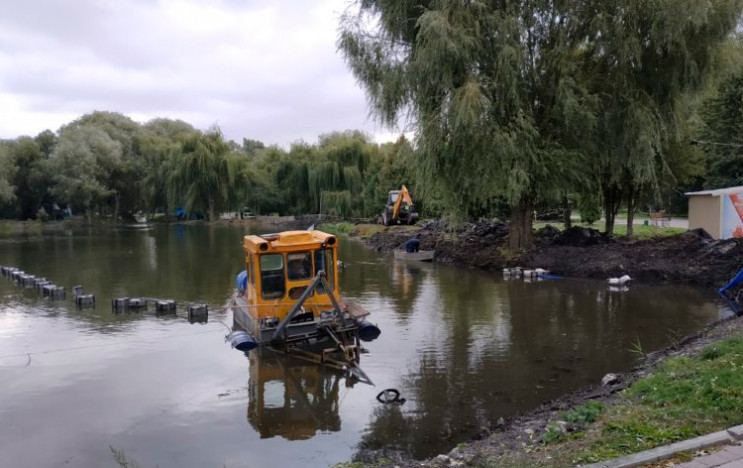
(167, 305)
(137, 303)
(39, 285)
(198, 313)
(26, 280)
(77, 291)
(57, 292)
(84, 300)
(15, 275)
(46, 290)
(119, 303)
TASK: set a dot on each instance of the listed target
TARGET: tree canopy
(516, 99)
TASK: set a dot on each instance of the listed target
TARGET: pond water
(463, 347)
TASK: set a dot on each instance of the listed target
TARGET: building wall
(705, 212)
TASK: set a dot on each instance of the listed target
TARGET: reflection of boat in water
(420, 256)
(288, 298)
(292, 399)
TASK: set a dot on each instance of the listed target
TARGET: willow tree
(643, 58)
(7, 172)
(722, 134)
(491, 88)
(337, 172)
(202, 173)
(82, 164)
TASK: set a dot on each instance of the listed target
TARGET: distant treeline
(104, 163)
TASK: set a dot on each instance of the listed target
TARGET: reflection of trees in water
(397, 281)
(449, 389)
(185, 263)
(502, 347)
(292, 399)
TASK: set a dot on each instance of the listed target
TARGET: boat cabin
(280, 267)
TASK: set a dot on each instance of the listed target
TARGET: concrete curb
(662, 453)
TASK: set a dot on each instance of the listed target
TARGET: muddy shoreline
(691, 257)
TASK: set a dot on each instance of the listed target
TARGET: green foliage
(528, 100)
(686, 397)
(579, 418)
(339, 228)
(82, 163)
(32, 175)
(489, 106)
(589, 206)
(202, 173)
(7, 173)
(722, 129)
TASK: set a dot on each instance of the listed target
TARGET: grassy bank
(361, 231)
(684, 398)
(12, 228)
(640, 231)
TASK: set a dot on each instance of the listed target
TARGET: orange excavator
(399, 209)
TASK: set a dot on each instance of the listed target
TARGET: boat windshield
(272, 276)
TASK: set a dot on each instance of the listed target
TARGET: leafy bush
(589, 207)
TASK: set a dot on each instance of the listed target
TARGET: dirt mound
(580, 237)
(578, 252)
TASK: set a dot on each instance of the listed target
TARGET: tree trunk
(612, 200)
(211, 209)
(567, 211)
(117, 201)
(520, 235)
(631, 205)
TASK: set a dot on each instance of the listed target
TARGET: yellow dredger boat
(289, 299)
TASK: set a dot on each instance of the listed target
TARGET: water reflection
(492, 346)
(463, 347)
(292, 399)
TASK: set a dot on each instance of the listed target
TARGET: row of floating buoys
(42, 285)
(196, 312)
(527, 274)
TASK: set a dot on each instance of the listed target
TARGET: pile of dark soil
(579, 252)
(690, 257)
(581, 237)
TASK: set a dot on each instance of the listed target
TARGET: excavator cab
(399, 209)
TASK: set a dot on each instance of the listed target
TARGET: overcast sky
(260, 69)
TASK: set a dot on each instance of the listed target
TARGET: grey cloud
(260, 69)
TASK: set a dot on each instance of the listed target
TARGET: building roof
(717, 192)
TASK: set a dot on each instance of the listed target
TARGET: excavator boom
(404, 195)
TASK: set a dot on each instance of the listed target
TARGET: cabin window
(272, 276)
(299, 266)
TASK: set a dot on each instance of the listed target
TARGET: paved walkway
(729, 457)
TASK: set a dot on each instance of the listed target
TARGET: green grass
(686, 397)
(341, 228)
(360, 230)
(640, 231)
(579, 418)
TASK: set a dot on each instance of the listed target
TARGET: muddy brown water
(463, 347)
